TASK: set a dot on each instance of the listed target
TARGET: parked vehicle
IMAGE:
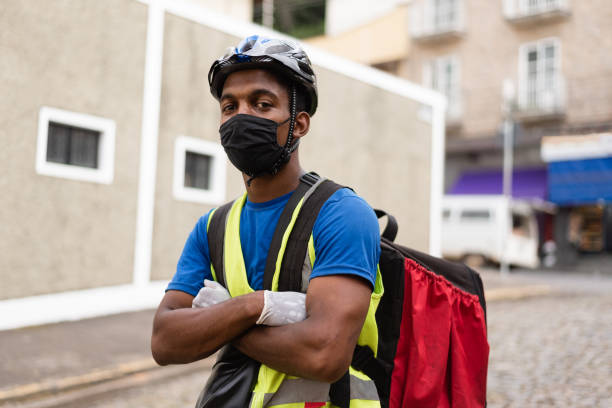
(474, 230)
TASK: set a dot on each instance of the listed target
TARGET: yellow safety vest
(273, 388)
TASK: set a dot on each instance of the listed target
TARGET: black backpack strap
(378, 370)
(390, 231)
(307, 181)
(216, 237)
(297, 245)
(340, 392)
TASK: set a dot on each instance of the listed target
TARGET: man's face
(256, 92)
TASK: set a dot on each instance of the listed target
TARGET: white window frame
(104, 173)
(448, 86)
(216, 193)
(557, 91)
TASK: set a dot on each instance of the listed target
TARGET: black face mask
(250, 144)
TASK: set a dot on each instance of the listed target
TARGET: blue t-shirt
(346, 240)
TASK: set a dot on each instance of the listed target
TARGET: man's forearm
(300, 349)
(184, 334)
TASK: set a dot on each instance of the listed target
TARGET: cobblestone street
(551, 351)
(548, 351)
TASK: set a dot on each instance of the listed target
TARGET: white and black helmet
(281, 56)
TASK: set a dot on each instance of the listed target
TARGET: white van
(473, 230)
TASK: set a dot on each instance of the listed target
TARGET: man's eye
(227, 108)
(263, 105)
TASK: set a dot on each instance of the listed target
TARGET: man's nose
(244, 107)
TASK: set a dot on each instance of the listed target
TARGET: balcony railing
(543, 99)
(429, 24)
(535, 11)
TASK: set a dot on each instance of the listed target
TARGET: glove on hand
(211, 294)
(282, 308)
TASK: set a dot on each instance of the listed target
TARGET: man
(267, 94)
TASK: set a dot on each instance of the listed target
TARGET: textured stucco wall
(83, 56)
(361, 136)
(489, 52)
(373, 141)
(187, 109)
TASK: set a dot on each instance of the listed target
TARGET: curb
(516, 293)
(100, 381)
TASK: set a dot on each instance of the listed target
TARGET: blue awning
(527, 183)
(580, 181)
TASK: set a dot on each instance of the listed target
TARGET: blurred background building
(554, 54)
(110, 152)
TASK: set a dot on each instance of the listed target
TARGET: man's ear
(302, 124)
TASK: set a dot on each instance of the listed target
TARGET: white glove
(211, 294)
(282, 308)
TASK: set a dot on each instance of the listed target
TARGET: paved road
(552, 351)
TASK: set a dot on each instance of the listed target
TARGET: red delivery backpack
(432, 335)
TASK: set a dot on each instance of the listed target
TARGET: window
(72, 145)
(445, 14)
(199, 171)
(442, 74)
(75, 146)
(540, 81)
(435, 20)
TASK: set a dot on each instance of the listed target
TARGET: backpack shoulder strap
(216, 237)
(307, 181)
(297, 245)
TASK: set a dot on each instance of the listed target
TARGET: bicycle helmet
(281, 56)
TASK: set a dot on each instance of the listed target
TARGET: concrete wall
(187, 109)
(488, 52)
(88, 57)
(373, 141)
(238, 9)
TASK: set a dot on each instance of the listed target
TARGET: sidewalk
(45, 360)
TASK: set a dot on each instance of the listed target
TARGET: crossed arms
(319, 348)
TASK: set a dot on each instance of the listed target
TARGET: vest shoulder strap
(216, 238)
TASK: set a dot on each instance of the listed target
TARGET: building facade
(110, 149)
(552, 57)
(542, 66)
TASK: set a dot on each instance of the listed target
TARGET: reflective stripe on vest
(273, 388)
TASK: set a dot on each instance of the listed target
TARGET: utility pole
(508, 134)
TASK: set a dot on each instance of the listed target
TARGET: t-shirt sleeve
(194, 264)
(346, 238)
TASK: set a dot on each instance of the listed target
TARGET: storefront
(580, 184)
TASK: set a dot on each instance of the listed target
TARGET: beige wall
(187, 109)
(88, 57)
(488, 53)
(376, 144)
(381, 40)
